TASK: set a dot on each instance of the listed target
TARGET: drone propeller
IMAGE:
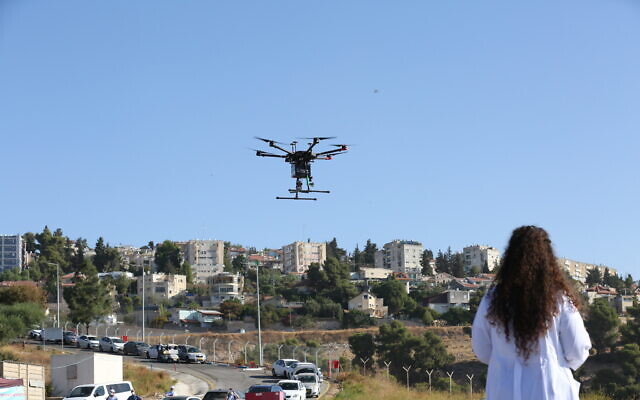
(267, 140)
(319, 138)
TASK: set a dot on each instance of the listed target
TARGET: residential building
(481, 257)
(622, 302)
(369, 304)
(601, 292)
(206, 257)
(10, 252)
(372, 273)
(161, 286)
(297, 256)
(225, 286)
(201, 318)
(403, 256)
(448, 299)
(442, 278)
(137, 257)
(265, 259)
(579, 270)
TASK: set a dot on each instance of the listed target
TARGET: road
(216, 376)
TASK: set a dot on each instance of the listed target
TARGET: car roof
(287, 359)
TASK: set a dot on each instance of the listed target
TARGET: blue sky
(134, 121)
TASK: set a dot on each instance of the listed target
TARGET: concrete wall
(32, 376)
(69, 371)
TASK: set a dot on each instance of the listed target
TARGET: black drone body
(300, 161)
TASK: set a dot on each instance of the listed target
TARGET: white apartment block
(225, 286)
(205, 256)
(369, 304)
(481, 256)
(10, 252)
(136, 256)
(297, 256)
(403, 256)
(161, 286)
(579, 270)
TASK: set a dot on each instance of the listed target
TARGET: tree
(593, 277)
(425, 261)
(358, 258)
(22, 294)
(107, 258)
(457, 264)
(185, 269)
(334, 251)
(369, 253)
(89, 298)
(602, 324)
(362, 346)
(395, 296)
(232, 309)
(356, 319)
(16, 319)
(442, 262)
(457, 316)
(168, 257)
(630, 332)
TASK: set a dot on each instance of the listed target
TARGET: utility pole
(143, 273)
(58, 291)
(259, 329)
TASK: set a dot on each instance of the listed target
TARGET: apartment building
(10, 252)
(297, 256)
(161, 286)
(579, 270)
(480, 257)
(137, 257)
(225, 286)
(403, 256)
(206, 257)
(369, 304)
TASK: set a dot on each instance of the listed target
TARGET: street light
(259, 330)
(57, 290)
(77, 329)
(229, 351)
(200, 344)
(245, 352)
(214, 349)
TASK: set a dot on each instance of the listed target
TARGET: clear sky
(134, 120)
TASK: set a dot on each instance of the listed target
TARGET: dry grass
(146, 381)
(358, 387)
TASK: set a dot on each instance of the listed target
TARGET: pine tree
(89, 299)
(369, 252)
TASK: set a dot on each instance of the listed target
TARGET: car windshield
(306, 371)
(193, 350)
(259, 389)
(289, 362)
(91, 338)
(81, 391)
(117, 341)
(143, 344)
(288, 385)
(307, 378)
(215, 396)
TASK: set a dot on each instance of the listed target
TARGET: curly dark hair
(528, 288)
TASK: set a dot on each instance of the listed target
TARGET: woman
(528, 328)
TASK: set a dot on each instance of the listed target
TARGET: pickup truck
(264, 392)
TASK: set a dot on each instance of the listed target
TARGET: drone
(300, 161)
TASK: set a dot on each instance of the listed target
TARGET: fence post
(407, 371)
(387, 365)
(450, 381)
(429, 372)
(470, 385)
(364, 365)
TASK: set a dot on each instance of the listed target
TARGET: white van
(100, 391)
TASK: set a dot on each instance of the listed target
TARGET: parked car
(69, 337)
(278, 368)
(112, 344)
(130, 348)
(164, 352)
(264, 392)
(88, 342)
(35, 334)
(100, 391)
(293, 390)
(311, 382)
(216, 394)
(142, 349)
(190, 354)
(51, 335)
(303, 368)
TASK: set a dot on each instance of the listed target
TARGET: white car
(302, 368)
(112, 344)
(88, 342)
(311, 382)
(279, 367)
(293, 390)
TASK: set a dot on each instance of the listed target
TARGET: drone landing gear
(299, 190)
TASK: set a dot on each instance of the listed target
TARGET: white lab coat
(546, 374)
